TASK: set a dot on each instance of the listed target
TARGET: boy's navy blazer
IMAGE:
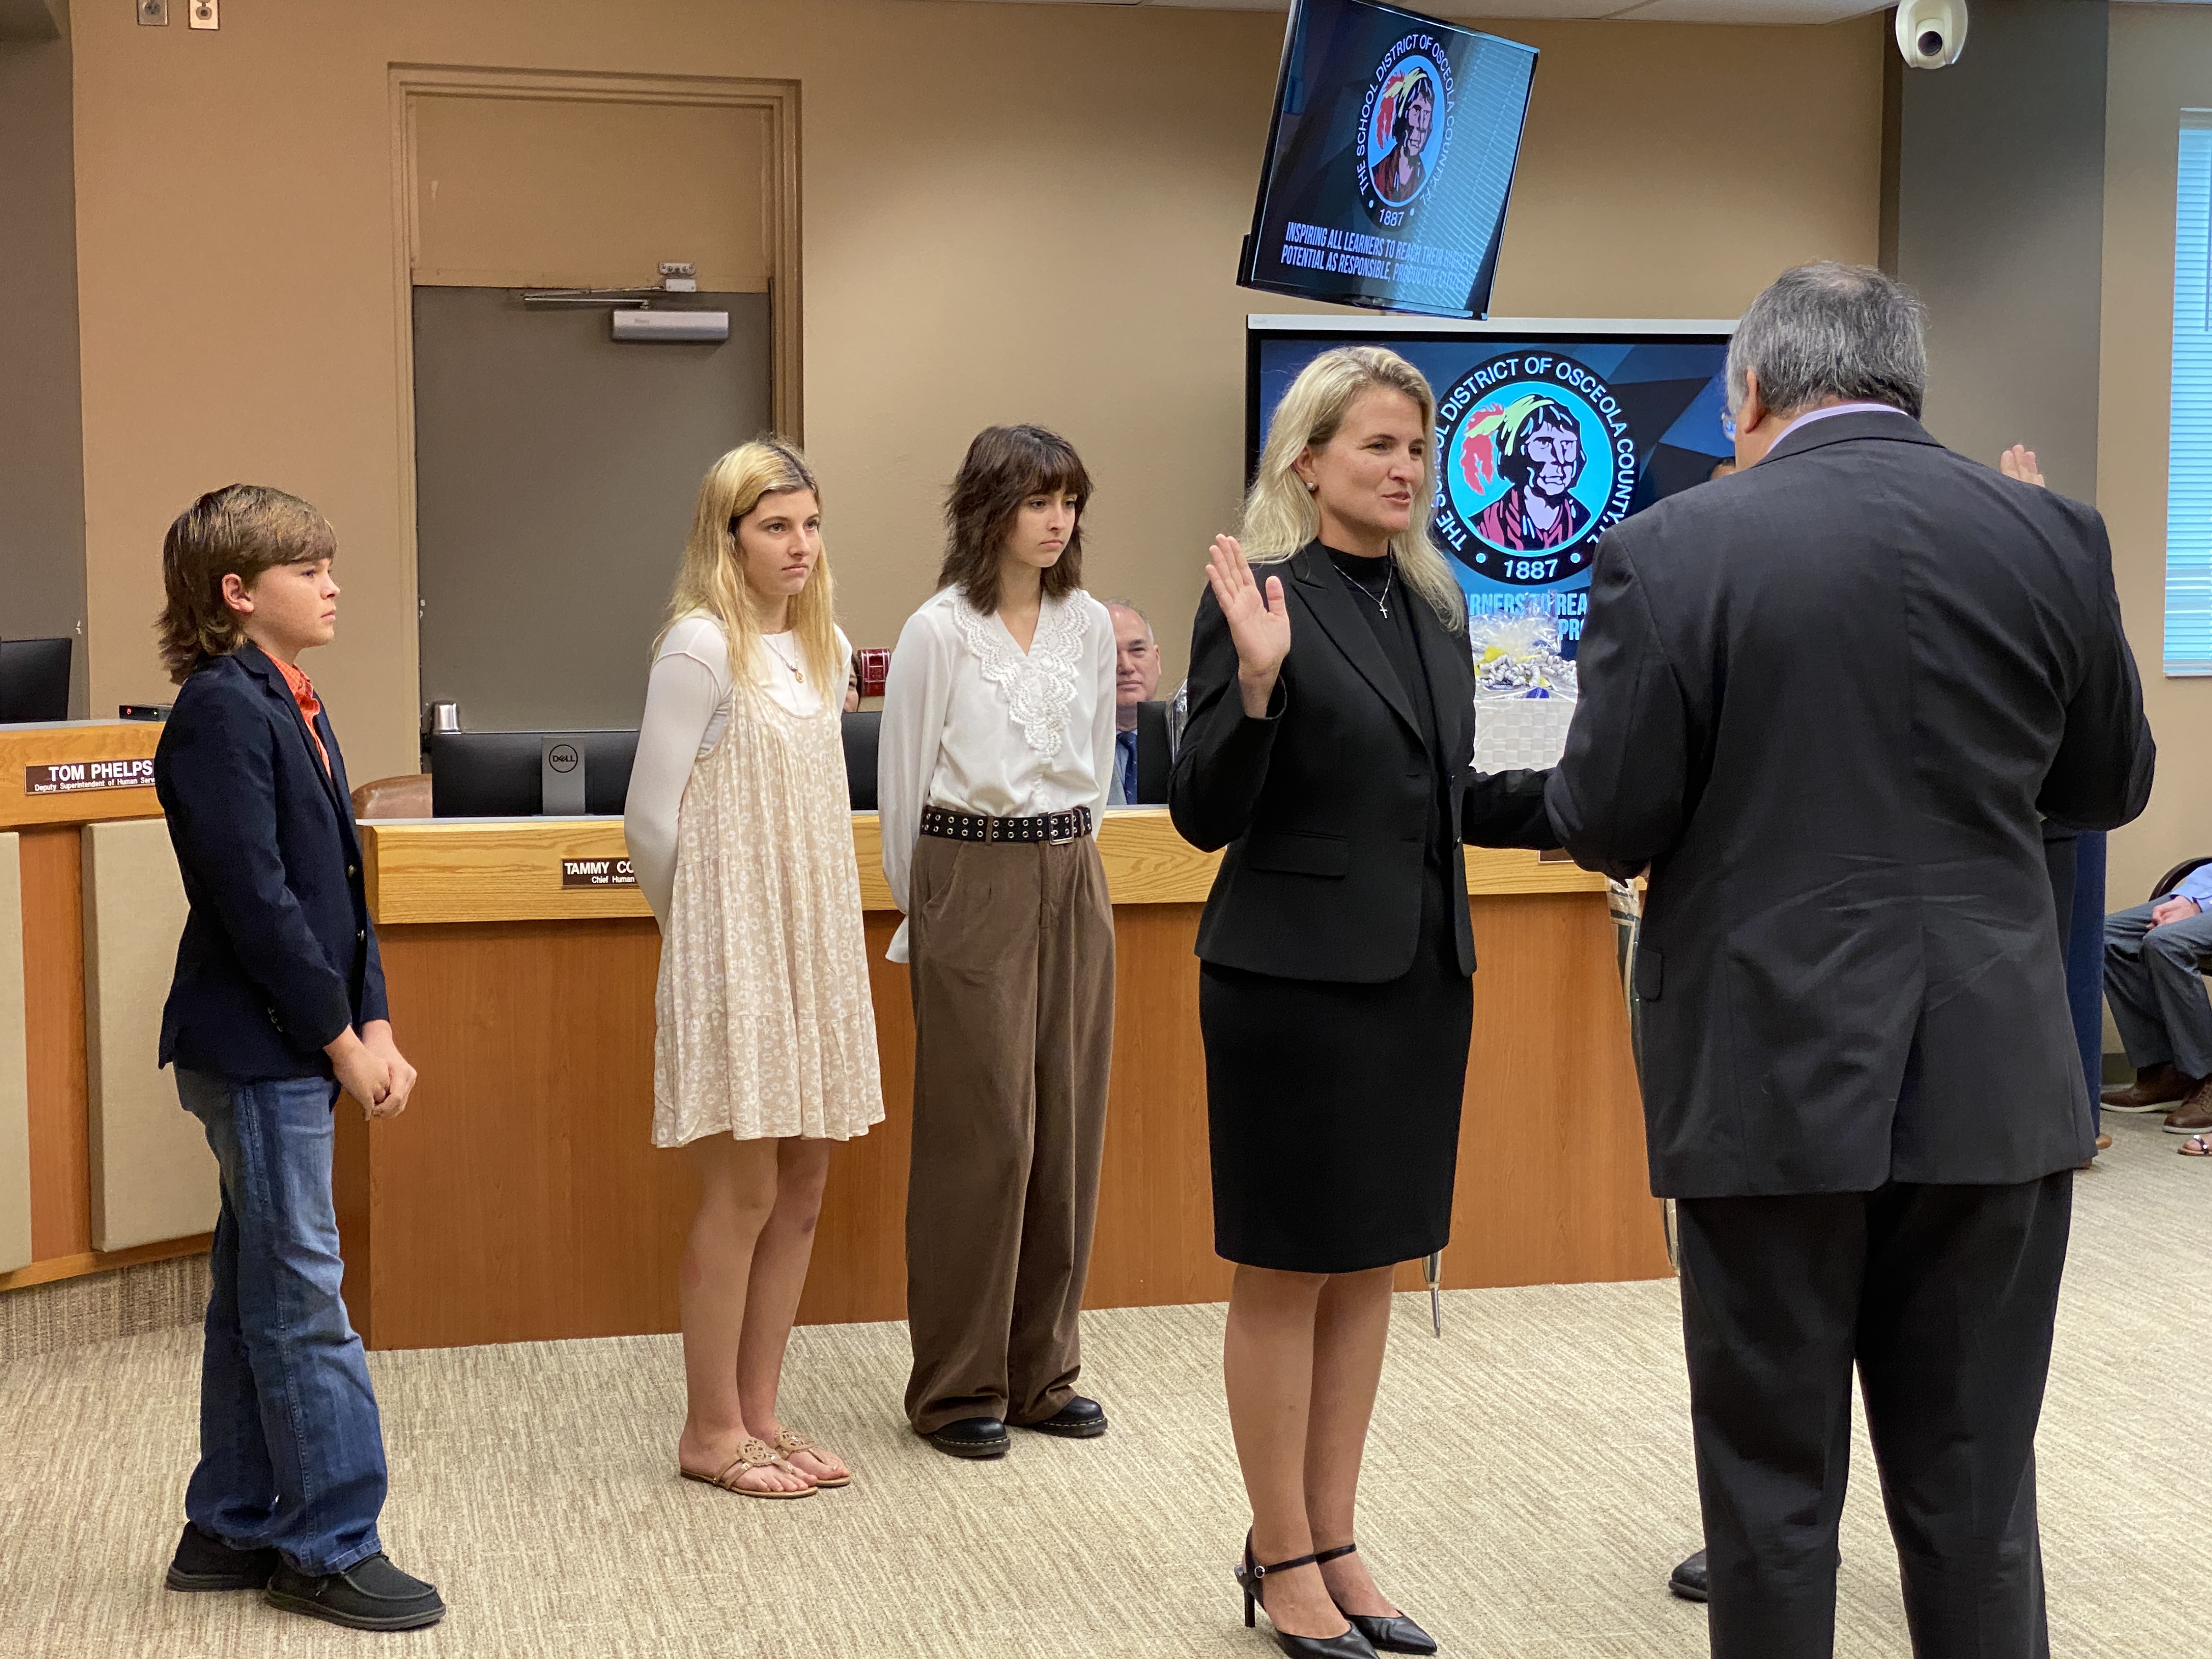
(278, 957)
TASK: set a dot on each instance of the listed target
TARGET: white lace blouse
(972, 725)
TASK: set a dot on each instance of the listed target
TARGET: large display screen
(1389, 160)
(1544, 438)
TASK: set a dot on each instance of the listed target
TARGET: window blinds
(2189, 461)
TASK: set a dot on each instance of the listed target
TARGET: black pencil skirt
(1333, 1109)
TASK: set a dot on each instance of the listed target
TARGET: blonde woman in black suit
(1332, 728)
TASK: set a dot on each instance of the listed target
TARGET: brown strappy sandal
(753, 1455)
(790, 1443)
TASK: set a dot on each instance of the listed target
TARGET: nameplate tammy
(72, 777)
(597, 872)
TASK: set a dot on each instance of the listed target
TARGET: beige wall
(2161, 63)
(1010, 213)
(41, 448)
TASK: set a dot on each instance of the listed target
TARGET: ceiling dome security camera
(1931, 33)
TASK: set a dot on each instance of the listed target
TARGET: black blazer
(1326, 805)
(1825, 700)
(278, 955)
(1155, 758)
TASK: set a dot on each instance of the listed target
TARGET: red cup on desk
(874, 667)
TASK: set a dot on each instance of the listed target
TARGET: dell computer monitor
(1389, 160)
(499, 775)
(1548, 432)
(34, 680)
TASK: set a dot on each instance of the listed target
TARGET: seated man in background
(1140, 738)
(2153, 958)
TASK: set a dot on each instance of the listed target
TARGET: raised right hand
(1259, 623)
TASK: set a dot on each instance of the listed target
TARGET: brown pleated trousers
(1011, 950)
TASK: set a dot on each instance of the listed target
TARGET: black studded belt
(1053, 827)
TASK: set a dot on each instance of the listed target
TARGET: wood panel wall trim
(23, 747)
(777, 99)
(78, 1265)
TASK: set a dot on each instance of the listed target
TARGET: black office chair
(2173, 878)
(861, 730)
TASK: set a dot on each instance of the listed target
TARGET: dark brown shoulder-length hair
(241, 530)
(1006, 465)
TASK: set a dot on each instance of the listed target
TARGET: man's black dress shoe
(204, 1562)
(1688, 1580)
(1078, 1419)
(971, 1437)
(370, 1595)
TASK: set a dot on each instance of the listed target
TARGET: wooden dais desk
(520, 1196)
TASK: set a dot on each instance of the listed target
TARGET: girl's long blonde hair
(713, 579)
(1280, 513)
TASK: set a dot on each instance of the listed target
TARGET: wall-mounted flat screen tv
(1389, 160)
(1548, 430)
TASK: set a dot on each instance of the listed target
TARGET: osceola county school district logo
(1405, 128)
(1536, 459)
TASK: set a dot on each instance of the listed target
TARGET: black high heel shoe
(1385, 1633)
(1251, 1577)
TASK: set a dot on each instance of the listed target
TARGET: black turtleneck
(1364, 577)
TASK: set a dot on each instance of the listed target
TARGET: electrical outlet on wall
(201, 15)
(153, 13)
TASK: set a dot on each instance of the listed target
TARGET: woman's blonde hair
(1280, 513)
(713, 579)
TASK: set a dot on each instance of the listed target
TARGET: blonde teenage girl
(765, 1054)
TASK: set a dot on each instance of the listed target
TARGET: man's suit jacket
(1327, 804)
(278, 955)
(1155, 758)
(1825, 700)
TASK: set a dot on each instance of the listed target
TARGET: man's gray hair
(1124, 605)
(1830, 330)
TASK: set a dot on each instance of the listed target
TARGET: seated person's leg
(2137, 1011)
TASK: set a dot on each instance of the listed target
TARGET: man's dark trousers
(1946, 1296)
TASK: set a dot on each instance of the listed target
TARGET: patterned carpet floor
(1529, 1486)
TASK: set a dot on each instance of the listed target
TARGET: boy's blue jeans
(291, 1450)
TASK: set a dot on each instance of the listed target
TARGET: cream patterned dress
(765, 1026)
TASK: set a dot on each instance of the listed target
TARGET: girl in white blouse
(996, 750)
(764, 1055)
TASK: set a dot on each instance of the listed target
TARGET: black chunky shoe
(1078, 1419)
(370, 1595)
(971, 1437)
(204, 1562)
(1251, 1577)
(1386, 1632)
(1689, 1581)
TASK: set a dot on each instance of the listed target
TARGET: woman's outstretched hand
(1259, 622)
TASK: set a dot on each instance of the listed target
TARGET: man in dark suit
(1826, 703)
(1142, 751)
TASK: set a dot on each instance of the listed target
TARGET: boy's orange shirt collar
(303, 693)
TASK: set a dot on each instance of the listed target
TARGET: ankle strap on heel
(1259, 1570)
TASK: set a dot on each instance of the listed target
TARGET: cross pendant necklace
(1381, 601)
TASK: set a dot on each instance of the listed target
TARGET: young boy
(278, 1002)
